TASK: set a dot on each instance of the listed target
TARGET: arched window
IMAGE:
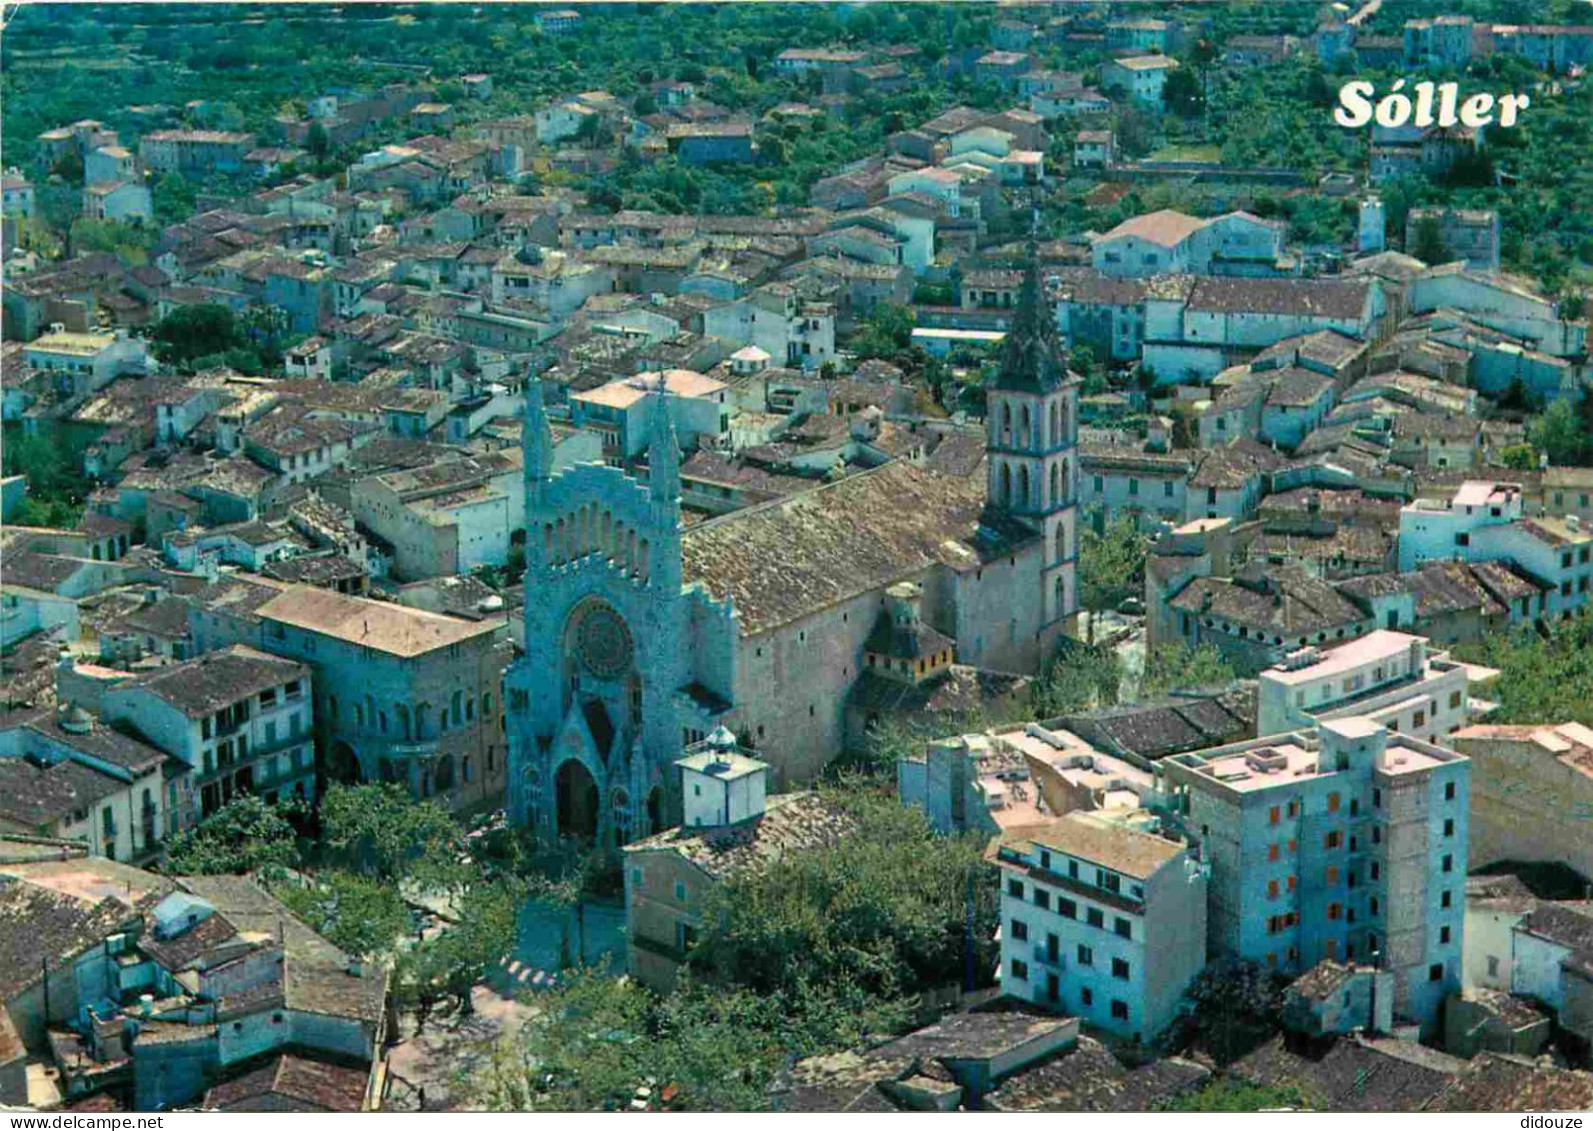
(1061, 595)
(443, 772)
(620, 816)
(1006, 485)
(1006, 421)
(403, 721)
(1023, 485)
(1023, 424)
(1056, 424)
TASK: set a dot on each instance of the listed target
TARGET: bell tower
(1031, 439)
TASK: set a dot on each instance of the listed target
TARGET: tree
(842, 940)
(1182, 93)
(1429, 242)
(1111, 564)
(448, 965)
(1078, 678)
(192, 332)
(1562, 432)
(381, 832)
(174, 199)
(601, 1044)
(1519, 457)
(1231, 1095)
(1543, 676)
(1178, 667)
(245, 836)
(355, 914)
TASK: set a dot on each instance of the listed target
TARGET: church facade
(641, 637)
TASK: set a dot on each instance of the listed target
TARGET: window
(1086, 955)
(1335, 911)
(1435, 972)
(1120, 1009)
(1448, 863)
(1120, 926)
(1020, 970)
(1333, 803)
(1020, 930)
(1449, 826)
(1294, 806)
(1449, 787)
(1272, 852)
(1274, 815)
(1447, 899)
(1454, 701)
(1443, 934)
(1015, 888)
(1095, 918)
(680, 892)
(1419, 719)
(1272, 889)
(1493, 966)
(1332, 874)
(1042, 898)
(1045, 859)
(1333, 840)
(1377, 799)
(1086, 996)
(1120, 968)
(1067, 907)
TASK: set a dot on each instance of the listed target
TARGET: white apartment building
(1102, 920)
(1483, 522)
(1390, 677)
(240, 719)
(1347, 842)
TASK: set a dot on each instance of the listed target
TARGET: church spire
(1031, 359)
(536, 439)
(663, 451)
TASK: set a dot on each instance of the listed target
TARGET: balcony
(1047, 957)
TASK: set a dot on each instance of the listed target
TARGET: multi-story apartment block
(1102, 920)
(194, 151)
(1349, 843)
(240, 720)
(1483, 522)
(1390, 677)
(65, 774)
(622, 410)
(1141, 77)
(403, 695)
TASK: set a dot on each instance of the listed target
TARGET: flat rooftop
(1382, 644)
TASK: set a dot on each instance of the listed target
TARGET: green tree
(1178, 667)
(355, 914)
(449, 964)
(189, 333)
(1565, 431)
(382, 832)
(1231, 1095)
(1519, 457)
(841, 940)
(245, 836)
(1080, 677)
(601, 1044)
(1182, 93)
(1111, 564)
(1429, 243)
(1544, 676)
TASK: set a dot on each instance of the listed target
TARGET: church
(642, 637)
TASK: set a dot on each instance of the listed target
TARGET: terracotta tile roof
(789, 558)
(792, 822)
(381, 625)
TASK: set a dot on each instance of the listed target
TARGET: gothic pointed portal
(1031, 357)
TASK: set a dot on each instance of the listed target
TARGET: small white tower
(719, 784)
(1372, 238)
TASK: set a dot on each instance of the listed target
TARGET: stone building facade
(643, 638)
